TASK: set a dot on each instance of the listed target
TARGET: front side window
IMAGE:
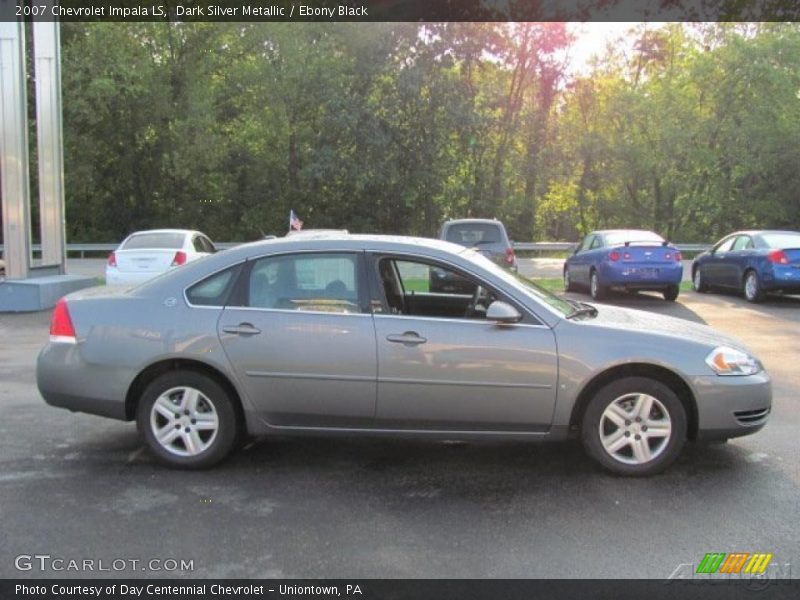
(420, 289)
(726, 245)
(305, 282)
(742, 243)
(587, 241)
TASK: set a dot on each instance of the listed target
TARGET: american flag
(294, 222)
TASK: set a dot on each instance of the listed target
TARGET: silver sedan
(343, 335)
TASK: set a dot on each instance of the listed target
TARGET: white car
(145, 254)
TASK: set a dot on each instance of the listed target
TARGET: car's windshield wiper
(583, 309)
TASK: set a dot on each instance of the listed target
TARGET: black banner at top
(401, 10)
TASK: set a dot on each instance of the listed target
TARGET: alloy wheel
(635, 428)
(184, 421)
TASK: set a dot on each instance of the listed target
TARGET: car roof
(380, 243)
(182, 231)
(608, 231)
(762, 231)
(475, 221)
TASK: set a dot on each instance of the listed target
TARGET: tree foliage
(393, 127)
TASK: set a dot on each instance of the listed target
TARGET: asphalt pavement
(75, 486)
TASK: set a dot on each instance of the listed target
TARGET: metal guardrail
(82, 249)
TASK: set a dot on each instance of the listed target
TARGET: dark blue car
(753, 262)
(625, 260)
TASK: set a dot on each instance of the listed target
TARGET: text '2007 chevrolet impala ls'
(343, 335)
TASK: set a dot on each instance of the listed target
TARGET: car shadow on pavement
(645, 301)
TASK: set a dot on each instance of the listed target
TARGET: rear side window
(214, 290)
(147, 241)
(468, 234)
(306, 282)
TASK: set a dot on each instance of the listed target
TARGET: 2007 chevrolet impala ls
(343, 334)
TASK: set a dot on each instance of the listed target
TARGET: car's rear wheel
(568, 285)
(698, 281)
(752, 287)
(671, 293)
(596, 289)
(187, 420)
(634, 426)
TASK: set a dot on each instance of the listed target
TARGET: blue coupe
(626, 260)
(753, 262)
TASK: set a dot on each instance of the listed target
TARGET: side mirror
(502, 312)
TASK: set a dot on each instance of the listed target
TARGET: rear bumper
(117, 277)
(67, 381)
(786, 278)
(629, 276)
(731, 406)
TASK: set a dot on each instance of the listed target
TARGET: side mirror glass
(502, 312)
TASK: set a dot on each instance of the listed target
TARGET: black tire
(671, 293)
(568, 285)
(754, 294)
(220, 443)
(593, 417)
(698, 281)
(596, 289)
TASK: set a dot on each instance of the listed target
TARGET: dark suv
(488, 236)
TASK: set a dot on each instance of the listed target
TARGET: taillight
(112, 259)
(61, 329)
(180, 259)
(509, 256)
(613, 255)
(778, 257)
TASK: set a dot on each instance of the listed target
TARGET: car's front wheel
(698, 281)
(187, 420)
(568, 285)
(634, 426)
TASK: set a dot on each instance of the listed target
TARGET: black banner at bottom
(400, 589)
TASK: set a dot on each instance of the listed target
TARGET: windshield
(620, 237)
(781, 240)
(561, 306)
(150, 241)
(469, 234)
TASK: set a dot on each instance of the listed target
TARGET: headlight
(729, 361)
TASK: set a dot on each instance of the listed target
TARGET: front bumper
(731, 406)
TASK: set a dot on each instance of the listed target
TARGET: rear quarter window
(214, 290)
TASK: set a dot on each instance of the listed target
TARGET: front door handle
(409, 337)
(242, 329)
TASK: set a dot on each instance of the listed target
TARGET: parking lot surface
(82, 487)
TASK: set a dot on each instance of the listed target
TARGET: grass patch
(416, 285)
(556, 284)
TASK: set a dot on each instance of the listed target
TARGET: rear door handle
(409, 337)
(242, 329)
